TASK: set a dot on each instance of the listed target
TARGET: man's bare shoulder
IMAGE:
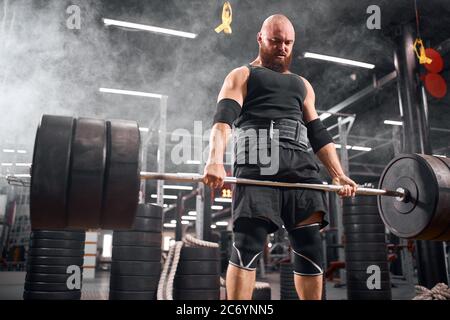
(239, 74)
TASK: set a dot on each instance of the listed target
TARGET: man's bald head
(278, 23)
(276, 40)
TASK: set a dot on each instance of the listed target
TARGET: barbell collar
(194, 177)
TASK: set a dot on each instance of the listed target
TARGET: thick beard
(269, 61)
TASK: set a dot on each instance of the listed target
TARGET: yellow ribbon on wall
(226, 19)
(421, 55)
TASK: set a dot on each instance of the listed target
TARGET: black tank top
(273, 95)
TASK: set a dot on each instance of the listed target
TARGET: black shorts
(281, 206)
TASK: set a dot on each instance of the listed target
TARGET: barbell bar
(86, 174)
(193, 177)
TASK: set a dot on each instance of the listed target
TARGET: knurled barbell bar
(86, 174)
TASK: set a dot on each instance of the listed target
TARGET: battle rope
(439, 292)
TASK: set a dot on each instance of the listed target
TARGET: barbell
(86, 174)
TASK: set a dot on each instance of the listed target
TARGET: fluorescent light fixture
(166, 196)
(169, 225)
(143, 129)
(23, 164)
(359, 148)
(21, 151)
(213, 226)
(173, 221)
(131, 93)
(8, 150)
(172, 187)
(439, 155)
(338, 60)
(226, 200)
(7, 164)
(111, 22)
(394, 123)
(192, 218)
(192, 213)
(22, 175)
(184, 222)
(107, 246)
(193, 162)
(338, 146)
(221, 223)
(217, 207)
(324, 115)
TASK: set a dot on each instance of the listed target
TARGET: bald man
(265, 95)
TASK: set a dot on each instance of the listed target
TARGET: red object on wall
(435, 85)
(437, 64)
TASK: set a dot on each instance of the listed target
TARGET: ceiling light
(338, 60)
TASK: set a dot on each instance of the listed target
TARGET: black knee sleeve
(307, 246)
(249, 239)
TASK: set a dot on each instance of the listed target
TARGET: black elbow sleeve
(227, 111)
(318, 135)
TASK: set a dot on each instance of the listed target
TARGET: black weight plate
(413, 218)
(41, 295)
(361, 210)
(46, 286)
(133, 283)
(122, 175)
(179, 294)
(358, 275)
(32, 268)
(52, 243)
(365, 255)
(135, 238)
(362, 285)
(362, 219)
(50, 172)
(199, 253)
(197, 282)
(47, 278)
(149, 210)
(262, 294)
(365, 237)
(132, 295)
(444, 197)
(364, 228)
(359, 201)
(134, 253)
(187, 267)
(87, 174)
(135, 268)
(366, 246)
(147, 225)
(363, 265)
(59, 235)
(369, 295)
(56, 252)
(52, 261)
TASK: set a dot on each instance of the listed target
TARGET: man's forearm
(328, 156)
(218, 140)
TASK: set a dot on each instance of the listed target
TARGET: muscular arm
(327, 154)
(234, 87)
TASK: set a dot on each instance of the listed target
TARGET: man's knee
(307, 246)
(249, 240)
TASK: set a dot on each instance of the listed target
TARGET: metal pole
(430, 255)
(161, 156)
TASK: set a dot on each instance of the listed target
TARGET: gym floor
(97, 288)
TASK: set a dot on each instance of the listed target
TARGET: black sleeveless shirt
(273, 95)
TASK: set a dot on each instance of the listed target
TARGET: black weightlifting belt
(288, 130)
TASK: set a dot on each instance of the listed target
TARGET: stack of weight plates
(262, 291)
(54, 265)
(136, 257)
(365, 250)
(287, 286)
(198, 274)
